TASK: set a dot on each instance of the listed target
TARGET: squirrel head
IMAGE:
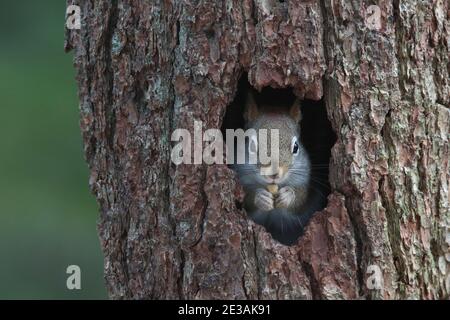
(292, 158)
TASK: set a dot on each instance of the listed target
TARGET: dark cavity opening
(317, 137)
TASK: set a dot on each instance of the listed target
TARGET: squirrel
(283, 200)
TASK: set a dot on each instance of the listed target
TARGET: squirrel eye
(253, 146)
(295, 146)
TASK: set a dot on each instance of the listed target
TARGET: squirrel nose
(274, 176)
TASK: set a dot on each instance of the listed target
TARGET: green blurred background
(47, 214)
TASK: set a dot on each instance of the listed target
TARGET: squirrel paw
(286, 197)
(264, 200)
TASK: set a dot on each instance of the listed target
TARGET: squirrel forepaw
(286, 197)
(264, 200)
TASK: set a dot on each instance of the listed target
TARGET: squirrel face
(277, 198)
(292, 157)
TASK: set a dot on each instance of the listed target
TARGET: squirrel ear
(295, 112)
(251, 109)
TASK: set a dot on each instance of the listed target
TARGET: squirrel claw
(286, 197)
(264, 200)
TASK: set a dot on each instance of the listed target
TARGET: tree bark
(146, 68)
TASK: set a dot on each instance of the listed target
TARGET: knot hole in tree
(284, 199)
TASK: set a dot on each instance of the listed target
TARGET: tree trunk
(146, 68)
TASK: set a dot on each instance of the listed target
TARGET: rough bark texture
(146, 68)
